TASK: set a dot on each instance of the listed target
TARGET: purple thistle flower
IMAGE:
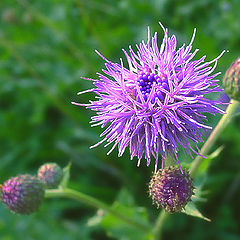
(157, 104)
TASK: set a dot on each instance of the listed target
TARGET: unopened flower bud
(171, 189)
(50, 174)
(22, 194)
(231, 80)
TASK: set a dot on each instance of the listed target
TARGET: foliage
(45, 47)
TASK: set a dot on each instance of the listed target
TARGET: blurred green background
(45, 47)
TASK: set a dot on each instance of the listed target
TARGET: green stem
(198, 160)
(81, 197)
(157, 230)
(214, 136)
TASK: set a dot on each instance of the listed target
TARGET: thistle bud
(231, 80)
(171, 189)
(22, 194)
(50, 174)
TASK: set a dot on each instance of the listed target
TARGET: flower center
(145, 82)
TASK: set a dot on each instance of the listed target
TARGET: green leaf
(119, 229)
(66, 176)
(125, 198)
(216, 152)
(206, 162)
(192, 210)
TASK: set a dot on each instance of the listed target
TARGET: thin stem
(198, 160)
(88, 200)
(214, 135)
(157, 230)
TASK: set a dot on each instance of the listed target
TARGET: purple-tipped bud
(171, 189)
(50, 174)
(231, 80)
(22, 194)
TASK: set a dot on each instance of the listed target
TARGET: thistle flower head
(50, 174)
(171, 189)
(22, 194)
(157, 103)
(231, 80)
